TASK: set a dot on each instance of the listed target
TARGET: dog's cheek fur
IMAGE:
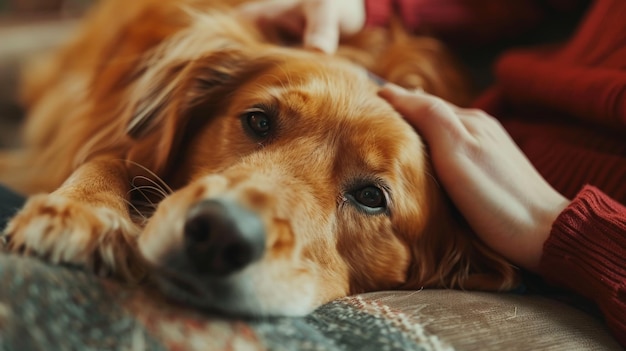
(376, 258)
(372, 244)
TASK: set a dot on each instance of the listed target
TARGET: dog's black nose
(221, 237)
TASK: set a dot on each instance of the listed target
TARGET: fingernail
(317, 49)
(393, 89)
(396, 89)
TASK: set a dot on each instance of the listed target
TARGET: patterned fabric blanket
(44, 307)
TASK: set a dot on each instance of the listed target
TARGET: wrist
(545, 216)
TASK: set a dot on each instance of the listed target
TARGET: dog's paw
(61, 230)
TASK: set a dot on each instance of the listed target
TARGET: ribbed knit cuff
(586, 252)
(378, 12)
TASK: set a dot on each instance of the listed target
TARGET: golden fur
(158, 102)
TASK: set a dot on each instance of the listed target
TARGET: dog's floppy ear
(166, 95)
(177, 87)
(450, 255)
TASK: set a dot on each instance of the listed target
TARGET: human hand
(318, 23)
(502, 196)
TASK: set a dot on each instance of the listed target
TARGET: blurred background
(41, 7)
(28, 28)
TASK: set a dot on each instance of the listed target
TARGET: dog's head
(295, 184)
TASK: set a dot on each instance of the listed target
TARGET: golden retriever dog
(173, 140)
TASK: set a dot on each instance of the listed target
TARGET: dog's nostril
(237, 255)
(221, 237)
(197, 228)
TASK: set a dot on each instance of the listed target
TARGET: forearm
(586, 253)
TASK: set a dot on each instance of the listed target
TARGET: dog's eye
(258, 122)
(370, 196)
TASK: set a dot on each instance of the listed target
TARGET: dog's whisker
(154, 189)
(149, 204)
(430, 175)
(151, 185)
(143, 194)
(160, 183)
(147, 199)
(134, 208)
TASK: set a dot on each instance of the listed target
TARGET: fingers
(434, 118)
(319, 23)
(322, 26)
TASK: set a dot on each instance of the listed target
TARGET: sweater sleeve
(586, 253)
(466, 21)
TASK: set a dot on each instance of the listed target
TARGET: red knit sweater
(566, 108)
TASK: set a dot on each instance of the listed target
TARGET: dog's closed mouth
(179, 281)
(179, 286)
(210, 294)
